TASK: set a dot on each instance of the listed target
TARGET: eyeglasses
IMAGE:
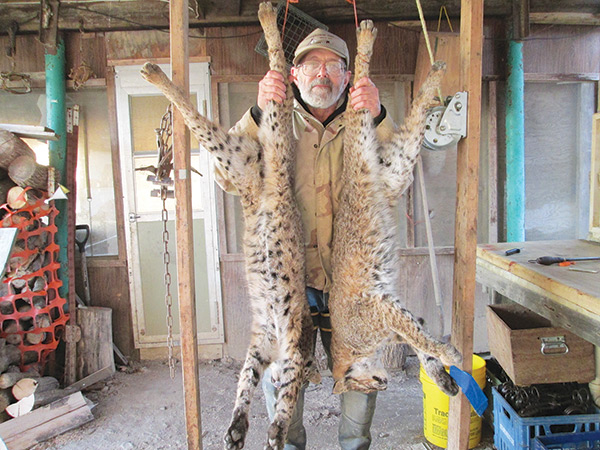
(312, 68)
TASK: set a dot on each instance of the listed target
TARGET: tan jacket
(318, 174)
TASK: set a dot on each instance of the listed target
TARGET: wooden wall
(555, 50)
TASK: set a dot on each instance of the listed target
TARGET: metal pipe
(56, 120)
(515, 145)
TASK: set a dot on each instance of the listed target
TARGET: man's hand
(271, 87)
(364, 94)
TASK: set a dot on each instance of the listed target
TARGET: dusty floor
(144, 410)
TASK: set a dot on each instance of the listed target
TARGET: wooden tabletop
(567, 297)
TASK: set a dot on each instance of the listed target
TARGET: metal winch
(445, 125)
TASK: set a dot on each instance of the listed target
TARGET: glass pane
(146, 114)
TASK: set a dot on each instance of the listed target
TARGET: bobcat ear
(339, 387)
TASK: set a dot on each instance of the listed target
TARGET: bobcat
(365, 308)
(273, 243)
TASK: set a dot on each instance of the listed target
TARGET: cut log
(9, 379)
(9, 354)
(6, 398)
(12, 147)
(16, 196)
(44, 423)
(21, 407)
(95, 348)
(24, 171)
(6, 185)
(35, 338)
(24, 388)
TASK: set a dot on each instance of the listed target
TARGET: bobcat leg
(402, 322)
(238, 155)
(399, 155)
(438, 374)
(289, 382)
(257, 358)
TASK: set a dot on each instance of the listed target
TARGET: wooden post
(465, 238)
(179, 22)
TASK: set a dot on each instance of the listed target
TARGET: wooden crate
(595, 181)
(532, 351)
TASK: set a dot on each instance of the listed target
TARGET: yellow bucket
(436, 405)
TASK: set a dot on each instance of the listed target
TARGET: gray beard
(320, 101)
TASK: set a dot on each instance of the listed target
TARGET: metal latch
(555, 345)
(445, 125)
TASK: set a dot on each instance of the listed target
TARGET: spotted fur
(366, 310)
(263, 172)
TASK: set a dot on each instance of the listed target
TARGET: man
(320, 78)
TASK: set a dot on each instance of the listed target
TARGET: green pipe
(515, 145)
(56, 120)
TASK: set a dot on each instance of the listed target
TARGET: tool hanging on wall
(14, 82)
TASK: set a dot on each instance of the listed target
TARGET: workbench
(568, 298)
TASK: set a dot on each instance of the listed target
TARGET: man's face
(321, 78)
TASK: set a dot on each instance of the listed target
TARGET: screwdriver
(549, 260)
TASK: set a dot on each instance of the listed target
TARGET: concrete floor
(144, 410)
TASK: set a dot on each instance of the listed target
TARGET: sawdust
(144, 410)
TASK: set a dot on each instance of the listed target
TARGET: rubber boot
(355, 422)
(296, 437)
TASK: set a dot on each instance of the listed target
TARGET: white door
(140, 107)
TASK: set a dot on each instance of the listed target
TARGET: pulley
(445, 125)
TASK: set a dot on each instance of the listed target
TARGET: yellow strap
(427, 43)
(443, 8)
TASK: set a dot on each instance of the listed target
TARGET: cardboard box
(531, 351)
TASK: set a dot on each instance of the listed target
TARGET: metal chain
(165, 165)
(168, 296)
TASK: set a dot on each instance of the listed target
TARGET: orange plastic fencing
(32, 313)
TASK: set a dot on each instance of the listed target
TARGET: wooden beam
(465, 238)
(565, 18)
(179, 25)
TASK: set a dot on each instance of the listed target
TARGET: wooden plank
(465, 241)
(30, 131)
(564, 18)
(48, 421)
(492, 184)
(116, 162)
(586, 326)
(576, 288)
(179, 28)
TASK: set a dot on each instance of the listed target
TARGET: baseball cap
(320, 38)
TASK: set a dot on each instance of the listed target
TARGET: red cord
(285, 17)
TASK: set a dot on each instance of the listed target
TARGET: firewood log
(12, 147)
(6, 185)
(24, 171)
(24, 388)
(9, 379)
(16, 196)
(9, 354)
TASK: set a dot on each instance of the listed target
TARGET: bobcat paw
(438, 65)
(451, 356)
(446, 384)
(236, 433)
(366, 384)
(276, 436)
(151, 72)
(265, 8)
